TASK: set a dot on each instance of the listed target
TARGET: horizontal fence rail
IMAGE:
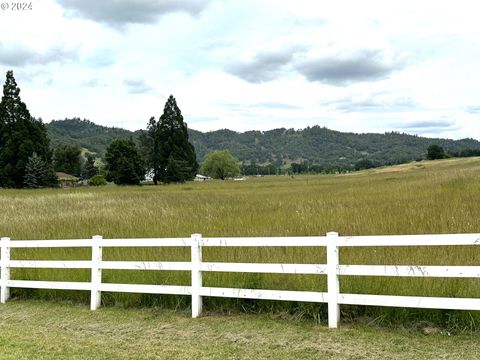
(332, 269)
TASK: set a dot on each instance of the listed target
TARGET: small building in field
(199, 177)
(66, 180)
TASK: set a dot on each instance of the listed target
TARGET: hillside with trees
(313, 146)
(85, 133)
(322, 146)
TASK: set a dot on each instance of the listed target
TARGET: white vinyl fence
(332, 269)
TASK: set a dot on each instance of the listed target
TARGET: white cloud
(123, 12)
(252, 64)
(18, 55)
(137, 86)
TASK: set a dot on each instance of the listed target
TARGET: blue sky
(369, 66)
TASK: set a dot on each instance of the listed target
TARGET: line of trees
(26, 159)
(164, 151)
(435, 152)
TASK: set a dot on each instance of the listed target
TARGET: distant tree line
(254, 169)
(435, 152)
(466, 153)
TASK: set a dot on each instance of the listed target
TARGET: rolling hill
(315, 145)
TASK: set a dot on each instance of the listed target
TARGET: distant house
(66, 180)
(199, 177)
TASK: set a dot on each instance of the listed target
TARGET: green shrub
(97, 180)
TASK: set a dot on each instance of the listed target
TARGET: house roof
(198, 176)
(62, 175)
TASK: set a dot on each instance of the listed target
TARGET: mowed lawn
(425, 197)
(39, 330)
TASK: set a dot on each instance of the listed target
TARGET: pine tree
(175, 158)
(35, 172)
(20, 136)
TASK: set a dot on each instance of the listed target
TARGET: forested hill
(85, 133)
(317, 145)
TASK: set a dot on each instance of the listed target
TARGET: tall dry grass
(418, 198)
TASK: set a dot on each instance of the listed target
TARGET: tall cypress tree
(20, 136)
(176, 157)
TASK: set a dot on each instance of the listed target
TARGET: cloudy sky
(361, 66)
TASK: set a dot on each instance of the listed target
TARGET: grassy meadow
(45, 330)
(419, 198)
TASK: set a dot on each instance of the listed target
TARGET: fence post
(5, 269)
(96, 294)
(333, 284)
(196, 275)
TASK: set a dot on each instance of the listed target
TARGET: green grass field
(417, 198)
(39, 330)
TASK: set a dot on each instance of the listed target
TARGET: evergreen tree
(124, 163)
(50, 178)
(172, 158)
(38, 173)
(150, 148)
(20, 136)
(68, 159)
(89, 169)
(35, 172)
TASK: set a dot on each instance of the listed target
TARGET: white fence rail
(332, 269)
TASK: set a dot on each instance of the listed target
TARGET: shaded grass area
(418, 198)
(38, 330)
